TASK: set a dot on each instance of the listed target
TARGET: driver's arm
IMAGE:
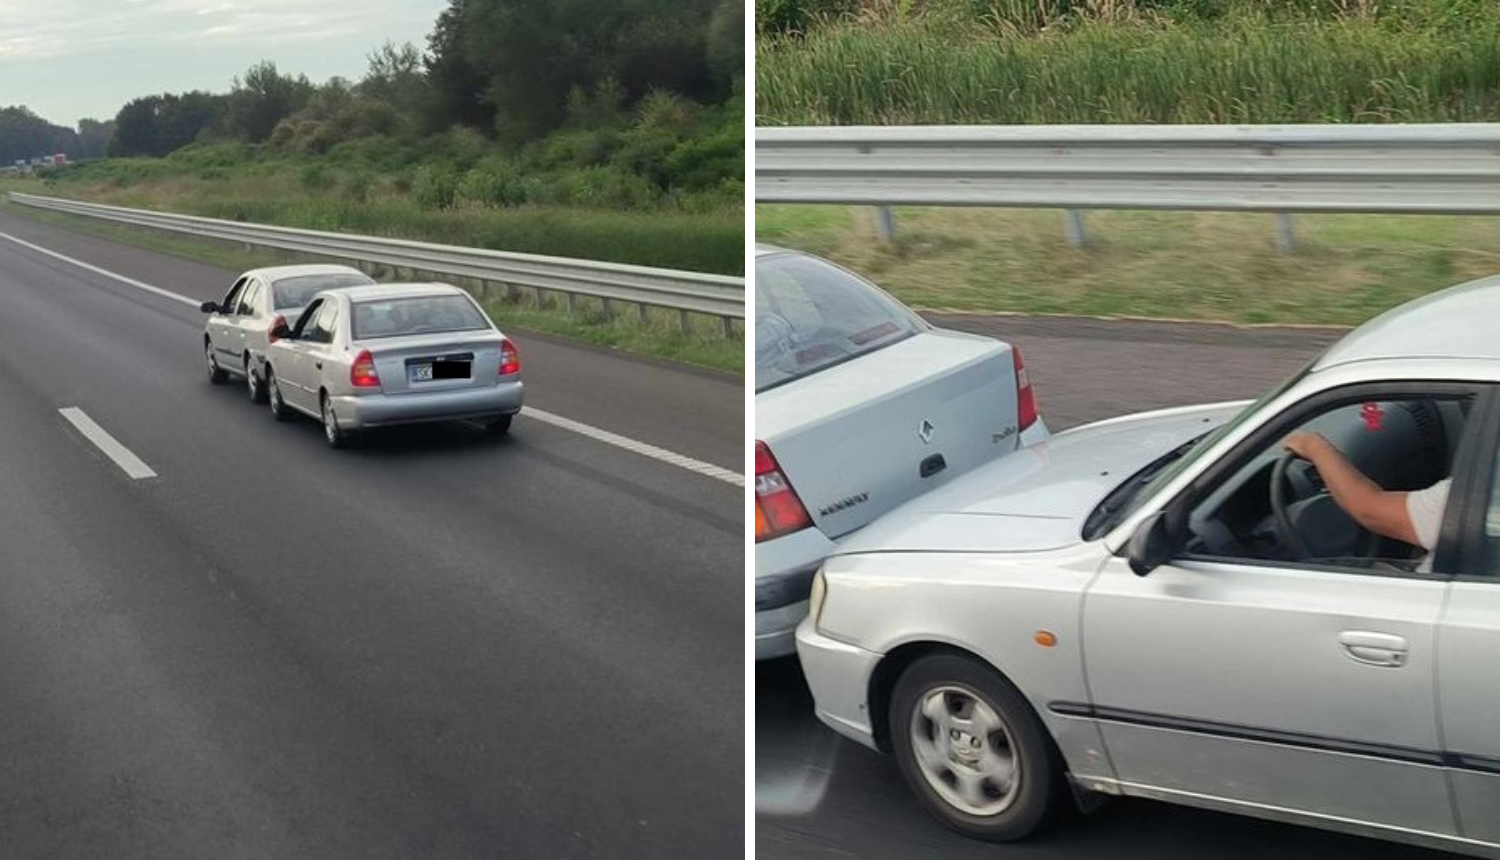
(1381, 511)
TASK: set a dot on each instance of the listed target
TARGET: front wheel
(972, 749)
(216, 374)
(279, 410)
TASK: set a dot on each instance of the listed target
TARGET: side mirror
(282, 331)
(209, 307)
(1150, 546)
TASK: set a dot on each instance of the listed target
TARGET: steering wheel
(1281, 475)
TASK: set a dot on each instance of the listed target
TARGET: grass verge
(1168, 265)
(658, 336)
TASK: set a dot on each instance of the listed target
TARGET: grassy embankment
(327, 193)
(1172, 61)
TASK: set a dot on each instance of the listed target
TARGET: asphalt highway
(819, 796)
(437, 645)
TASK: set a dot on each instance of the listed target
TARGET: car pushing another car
(240, 327)
(859, 405)
(1174, 606)
(377, 356)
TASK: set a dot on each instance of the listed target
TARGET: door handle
(1374, 649)
(318, 365)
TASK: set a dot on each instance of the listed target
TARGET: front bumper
(838, 674)
(358, 412)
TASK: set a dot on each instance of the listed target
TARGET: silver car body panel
(236, 336)
(1223, 685)
(306, 370)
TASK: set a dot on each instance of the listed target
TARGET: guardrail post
(572, 302)
(683, 324)
(1077, 236)
(640, 311)
(728, 326)
(1286, 238)
(885, 220)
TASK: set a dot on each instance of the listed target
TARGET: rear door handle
(1374, 649)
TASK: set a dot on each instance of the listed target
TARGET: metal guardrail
(686, 292)
(1451, 169)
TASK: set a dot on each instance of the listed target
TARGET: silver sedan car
(1171, 606)
(859, 405)
(239, 328)
(377, 356)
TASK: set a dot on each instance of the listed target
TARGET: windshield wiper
(1123, 495)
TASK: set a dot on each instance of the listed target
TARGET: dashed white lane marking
(655, 453)
(123, 457)
(166, 294)
(624, 442)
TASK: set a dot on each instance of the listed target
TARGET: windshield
(297, 292)
(811, 315)
(417, 315)
(1125, 499)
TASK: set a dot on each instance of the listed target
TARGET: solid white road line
(655, 453)
(112, 449)
(628, 444)
(166, 294)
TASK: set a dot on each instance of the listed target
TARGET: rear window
(297, 292)
(418, 315)
(811, 315)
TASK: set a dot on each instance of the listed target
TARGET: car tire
(973, 750)
(256, 388)
(498, 426)
(216, 374)
(333, 433)
(279, 410)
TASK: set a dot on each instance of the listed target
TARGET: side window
(1277, 507)
(249, 297)
(302, 329)
(326, 323)
(232, 297)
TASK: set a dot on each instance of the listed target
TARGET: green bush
(435, 186)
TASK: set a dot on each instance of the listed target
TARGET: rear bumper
(784, 569)
(383, 410)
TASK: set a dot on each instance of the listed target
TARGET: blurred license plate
(426, 370)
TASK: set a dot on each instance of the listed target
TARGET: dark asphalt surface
(819, 796)
(436, 645)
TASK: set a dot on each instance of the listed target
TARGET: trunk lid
(398, 360)
(853, 439)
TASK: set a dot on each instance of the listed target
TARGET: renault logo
(925, 431)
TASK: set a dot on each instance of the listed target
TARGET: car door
(245, 320)
(223, 326)
(294, 367)
(1469, 657)
(320, 351)
(1298, 688)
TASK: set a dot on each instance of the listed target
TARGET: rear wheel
(216, 374)
(279, 410)
(498, 426)
(972, 750)
(253, 385)
(336, 435)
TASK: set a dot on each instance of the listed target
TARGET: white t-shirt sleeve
(1425, 507)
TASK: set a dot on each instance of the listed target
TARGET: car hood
(1036, 498)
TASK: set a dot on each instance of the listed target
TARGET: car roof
(1458, 322)
(276, 273)
(394, 291)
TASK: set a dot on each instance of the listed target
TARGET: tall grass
(1245, 67)
(336, 194)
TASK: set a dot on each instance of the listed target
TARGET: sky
(70, 59)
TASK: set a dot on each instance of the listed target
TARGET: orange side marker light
(1045, 639)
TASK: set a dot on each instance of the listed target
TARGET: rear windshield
(419, 315)
(811, 315)
(297, 292)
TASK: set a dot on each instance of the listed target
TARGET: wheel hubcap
(964, 751)
(213, 363)
(250, 380)
(330, 422)
(275, 391)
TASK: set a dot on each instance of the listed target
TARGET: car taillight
(1026, 412)
(510, 360)
(277, 322)
(363, 373)
(778, 511)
